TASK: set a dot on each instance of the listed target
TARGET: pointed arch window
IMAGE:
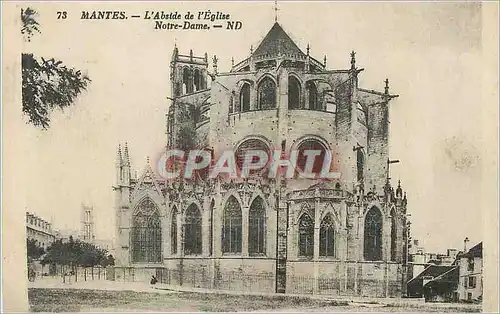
(231, 228)
(327, 237)
(211, 231)
(293, 93)
(192, 231)
(146, 233)
(244, 98)
(197, 81)
(312, 91)
(393, 235)
(306, 236)
(231, 104)
(373, 235)
(173, 232)
(185, 81)
(360, 164)
(257, 227)
(267, 94)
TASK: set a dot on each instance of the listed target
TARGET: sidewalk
(102, 284)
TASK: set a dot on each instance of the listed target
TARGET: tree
(77, 253)
(29, 25)
(46, 84)
(33, 249)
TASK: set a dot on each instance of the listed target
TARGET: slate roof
(476, 251)
(277, 41)
(433, 271)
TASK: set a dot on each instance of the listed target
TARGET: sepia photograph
(272, 156)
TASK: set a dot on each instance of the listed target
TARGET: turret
(118, 165)
(126, 166)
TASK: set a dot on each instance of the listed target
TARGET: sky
(431, 53)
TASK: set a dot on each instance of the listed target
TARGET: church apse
(342, 235)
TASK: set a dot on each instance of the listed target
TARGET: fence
(334, 284)
(75, 274)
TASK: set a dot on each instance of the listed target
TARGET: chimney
(466, 240)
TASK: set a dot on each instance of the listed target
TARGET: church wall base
(322, 277)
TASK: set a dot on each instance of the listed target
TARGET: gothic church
(342, 236)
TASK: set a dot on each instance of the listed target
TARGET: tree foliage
(29, 24)
(47, 84)
(34, 250)
(77, 253)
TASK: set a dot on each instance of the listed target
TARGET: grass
(72, 300)
(75, 300)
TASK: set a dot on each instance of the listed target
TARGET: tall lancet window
(360, 164)
(185, 81)
(257, 227)
(197, 81)
(244, 98)
(211, 231)
(393, 235)
(192, 231)
(312, 91)
(373, 235)
(173, 231)
(231, 228)
(146, 233)
(327, 237)
(293, 93)
(267, 94)
(306, 236)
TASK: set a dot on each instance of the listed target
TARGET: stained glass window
(327, 237)
(192, 231)
(373, 235)
(257, 227)
(267, 94)
(244, 98)
(306, 236)
(360, 164)
(393, 236)
(231, 229)
(313, 96)
(173, 231)
(293, 93)
(146, 233)
(211, 226)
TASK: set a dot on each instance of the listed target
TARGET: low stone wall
(335, 278)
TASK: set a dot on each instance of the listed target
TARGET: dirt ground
(80, 300)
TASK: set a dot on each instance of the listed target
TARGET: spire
(126, 157)
(119, 156)
(307, 49)
(324, 61)
(251, 49)
(386, 89)
(275, 11)
(206, 57)
(399, 190)
(353, 60)
(176, 51)
(191, 54)
(232, 61)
